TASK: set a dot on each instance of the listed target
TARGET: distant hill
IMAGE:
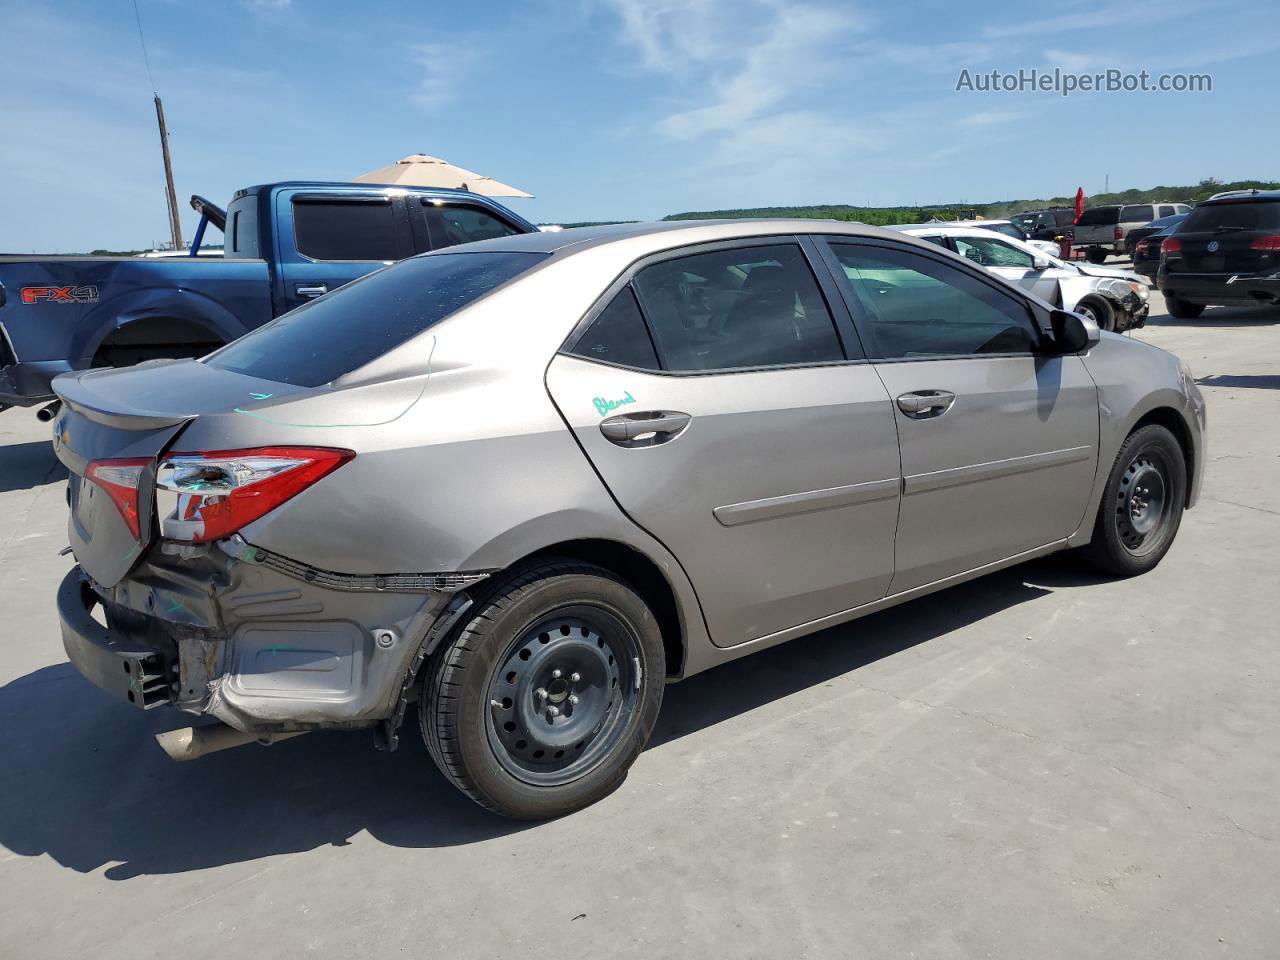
(880, 216)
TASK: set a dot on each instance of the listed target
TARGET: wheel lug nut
(555, 674)
(575, 677)
(573, 698)
(540, 693)
(553, 711)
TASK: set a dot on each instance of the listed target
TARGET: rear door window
(1166, 210)
(449, 224)
(322, 340)
(755, 306)
(1139, 213)
(619, 335)
(349, 229)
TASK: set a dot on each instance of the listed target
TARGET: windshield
(1099, 216)
(1253, 215)
(321, 341)
(1008, 229)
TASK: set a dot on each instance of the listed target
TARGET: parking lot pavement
(1034, 765)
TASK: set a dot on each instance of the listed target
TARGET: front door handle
(309, 291)
(646, 429)
(926, 403)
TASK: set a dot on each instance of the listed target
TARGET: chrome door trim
(751, 511)
(975, 473)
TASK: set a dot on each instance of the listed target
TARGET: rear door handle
(646, 429)
(926, 403)
(309, 291)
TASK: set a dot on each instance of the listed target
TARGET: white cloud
(1070, 60)
(441, 68)
(989, 118)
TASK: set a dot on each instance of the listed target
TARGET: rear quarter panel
(228, 297)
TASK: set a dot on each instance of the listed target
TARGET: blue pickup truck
(284, 244)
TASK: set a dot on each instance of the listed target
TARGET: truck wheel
(1180, 309)
(1142, 504)
(1096, 255)
(1099, 311)
(547, 692)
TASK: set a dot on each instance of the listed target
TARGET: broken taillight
(119, 480)
(221, 491)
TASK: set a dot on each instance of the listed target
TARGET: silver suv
(523, 483)
(1101, 231)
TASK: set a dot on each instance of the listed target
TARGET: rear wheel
(1180, 309)
(1099, 311)
(1096, 255)
(1142, 504)
(544, 698)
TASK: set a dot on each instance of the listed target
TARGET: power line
(143, 40)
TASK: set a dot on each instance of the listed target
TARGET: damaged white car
(1114, 299)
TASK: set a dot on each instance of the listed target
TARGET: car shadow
(1262, 381)
(27, 465)
(87, 786)
(1224, 317)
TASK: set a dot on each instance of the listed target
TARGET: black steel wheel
(1142, 504)
(540, 702)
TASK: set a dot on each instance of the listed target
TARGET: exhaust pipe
(49, 411)
(191, 743)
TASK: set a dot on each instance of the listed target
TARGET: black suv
(1046, 224)
(1227, 252)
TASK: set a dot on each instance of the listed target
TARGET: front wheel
(1099, 311)
(1180, 309)
(1142, 504)
(547, 693)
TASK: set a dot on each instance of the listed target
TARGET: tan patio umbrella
(420, 170)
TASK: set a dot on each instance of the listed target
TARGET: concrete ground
(1035, 765)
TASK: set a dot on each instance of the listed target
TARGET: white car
(1005, 228)
(1114, 299)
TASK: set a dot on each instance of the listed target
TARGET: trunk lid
(132, 414)
(1220, 238)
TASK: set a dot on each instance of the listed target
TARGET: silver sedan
(520, 485)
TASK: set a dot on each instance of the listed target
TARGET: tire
(1135, 529)
(1180, 309)
(1099, 311)
(1096, 255)
(534, 708)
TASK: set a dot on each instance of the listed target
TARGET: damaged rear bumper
(263, 643)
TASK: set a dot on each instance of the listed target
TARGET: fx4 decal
(81, 294)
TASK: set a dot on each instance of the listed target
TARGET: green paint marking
(260, 396)
(276, 648)
(604, 407)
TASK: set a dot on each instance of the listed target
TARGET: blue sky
(612, 109)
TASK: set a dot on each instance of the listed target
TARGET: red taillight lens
(1171, 247)
(1270, 244)
(1118, 234)
(119, 479)
(220, 491)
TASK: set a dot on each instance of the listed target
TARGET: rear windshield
(1254, 215)
(1008, 229)
(322, 340)
(1098, 216)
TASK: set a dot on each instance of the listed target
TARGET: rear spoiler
(209, 213)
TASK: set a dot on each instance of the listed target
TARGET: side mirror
(1073, 332)
(1040, 263)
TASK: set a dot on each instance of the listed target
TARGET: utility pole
(1106, 184)
(175, 225)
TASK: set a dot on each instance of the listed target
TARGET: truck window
(1099, 216)
(1138, 213)
(241, 237)
(450, 224)
(346, 229)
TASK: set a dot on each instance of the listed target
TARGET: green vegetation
(880, 216)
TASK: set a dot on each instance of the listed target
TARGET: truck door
(325, 240)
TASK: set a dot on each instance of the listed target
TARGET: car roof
(665, 234)
(1234, 197)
